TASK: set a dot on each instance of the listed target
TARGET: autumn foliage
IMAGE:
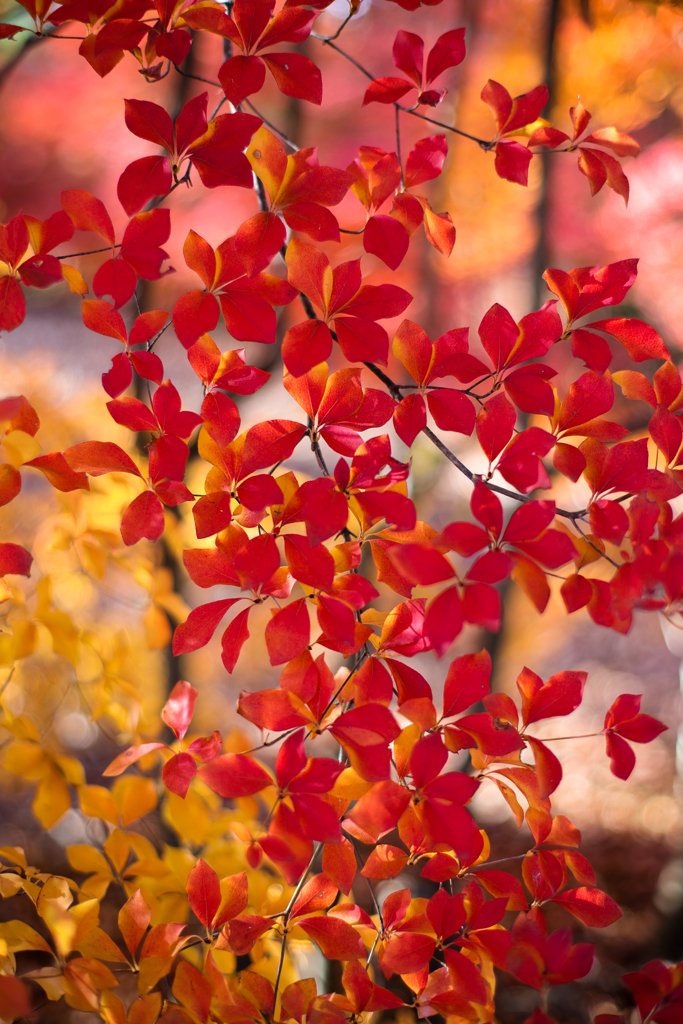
(373, 773)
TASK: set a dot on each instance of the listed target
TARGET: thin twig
(279, 970)
(315, 447)
(198, 78)
(341, 28)
(395, 393)
(398, 143)
(372, 891)
(302, 881)
(484, 143)
(595, 546)
(503, 860)
(581, 736)
(89, 252)
(277, 131)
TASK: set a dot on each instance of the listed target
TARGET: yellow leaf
(135, 797)
(50, 980)
(94, 558)
(192, 989)
(189, 817)
(55, 891)
(157, 628)
(26, 759)
(64, 634)
(98, 802)
(20, 937)
(117, 848)
(20, 447)
(23, 639)
(14, 854)
(87, 916)
(62, 926)
(74, 279)
(82, 980)
(52, 799)
(70, 927)
(142, 847)
(146, 1009)
(87, 859)
(24, 729)
(112, 1009)
(151, 970)
(350, 786)
(71, 768)
(10, 884)
(98, 945)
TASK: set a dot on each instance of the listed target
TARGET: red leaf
(120, 377)
(621, 756)
(560, 695)
(234, 639)
(203, 891)
(151, 122)
(14, 993)
(234, 775)
(410, 417)
(194, 314)
(421, 563)
(178, 773)
(448, 51)
(12, 304)
(386, 90)
(305, 346)
(467, 682)
(512, 162)
(296, 76)
(142, 180)
(288, 634)
(639, 339)
(592, 907)
(134, 918)
(385, 862)
(576, 592)
(234, 898)
(15, 560)
(548, 767)
(258, 240)
(88, 213)
(179, 708)
(10, 483)
(144, 517)
(386, 238)
(336, 939)
(121, 34)
(339, 864)
(103, 318)
(425, 160)
(98, 457)
(444, 620)
(452, 411)
(495, 425)
(408, 55)
(132, 413)
(128, 757)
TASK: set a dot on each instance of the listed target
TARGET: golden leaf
(98, 802)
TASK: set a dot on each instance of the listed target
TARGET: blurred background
(92, 639)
